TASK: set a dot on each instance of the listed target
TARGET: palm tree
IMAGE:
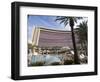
(82, 35)
(71, 20)
(82, 31)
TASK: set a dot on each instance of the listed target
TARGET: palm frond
(62, 21)
(79, 17)
(59, 18)
(65, 23)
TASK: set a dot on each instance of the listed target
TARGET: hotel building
(50, 38)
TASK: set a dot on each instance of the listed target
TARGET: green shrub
(68, 62)
(38, 64)
(55, 63)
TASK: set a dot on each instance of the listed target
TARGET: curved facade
(48, 37)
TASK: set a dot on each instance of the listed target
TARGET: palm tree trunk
(76, 59)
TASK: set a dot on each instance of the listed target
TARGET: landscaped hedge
(55, 63)
(68, 62)
(38, 64)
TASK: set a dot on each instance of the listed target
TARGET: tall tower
(35, 36)
(35, 39)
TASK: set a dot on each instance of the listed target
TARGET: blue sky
(45, 21)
